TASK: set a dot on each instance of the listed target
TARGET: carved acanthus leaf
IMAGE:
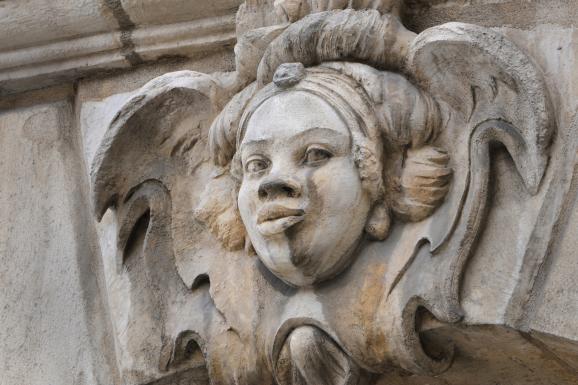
(146, 168)
(495, 91)
(484, 76)
(144, 132)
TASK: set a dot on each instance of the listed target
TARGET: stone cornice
(62, 40)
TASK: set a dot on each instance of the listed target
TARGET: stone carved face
(313, 169)
(301, 198)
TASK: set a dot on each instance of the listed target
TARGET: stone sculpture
(344, 170)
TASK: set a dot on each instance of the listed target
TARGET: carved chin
(279, 257)
(293, 257)
(288, 266)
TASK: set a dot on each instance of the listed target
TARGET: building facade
(288, 192)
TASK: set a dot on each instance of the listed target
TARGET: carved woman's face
(301, 197)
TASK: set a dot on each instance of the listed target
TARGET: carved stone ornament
(294, 221)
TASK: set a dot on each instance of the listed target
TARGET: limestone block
(521, 14)
(49, 42)
(364, 192)
(54, 317)
(26, 23)
(146, 12)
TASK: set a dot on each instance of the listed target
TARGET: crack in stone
(126, 27)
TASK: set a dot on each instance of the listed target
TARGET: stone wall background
(53, 317)
(54, 109)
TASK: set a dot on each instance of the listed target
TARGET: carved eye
(316, 155)
(256, 165)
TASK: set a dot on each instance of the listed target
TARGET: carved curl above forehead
(383, 105)
(293, 10)
(382, 42)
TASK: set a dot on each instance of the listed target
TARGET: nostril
(288, 191)
(262, 192)
(276, 189)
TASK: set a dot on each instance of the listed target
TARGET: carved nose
(279, 188)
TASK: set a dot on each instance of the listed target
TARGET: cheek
(245, 202)
(337, 185)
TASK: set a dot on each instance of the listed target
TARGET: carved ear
(379, 222)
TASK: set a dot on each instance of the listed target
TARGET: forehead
(291, 113)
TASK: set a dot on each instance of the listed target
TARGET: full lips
(275, 219)
(273, 212)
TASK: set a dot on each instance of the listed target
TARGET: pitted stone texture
(54, 318)
(460, 226)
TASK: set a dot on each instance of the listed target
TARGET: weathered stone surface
(364, 192)
(53, 314)
(50, 42)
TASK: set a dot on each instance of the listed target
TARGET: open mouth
(274, 219)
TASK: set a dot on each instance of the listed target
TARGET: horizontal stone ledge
(33, 56)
